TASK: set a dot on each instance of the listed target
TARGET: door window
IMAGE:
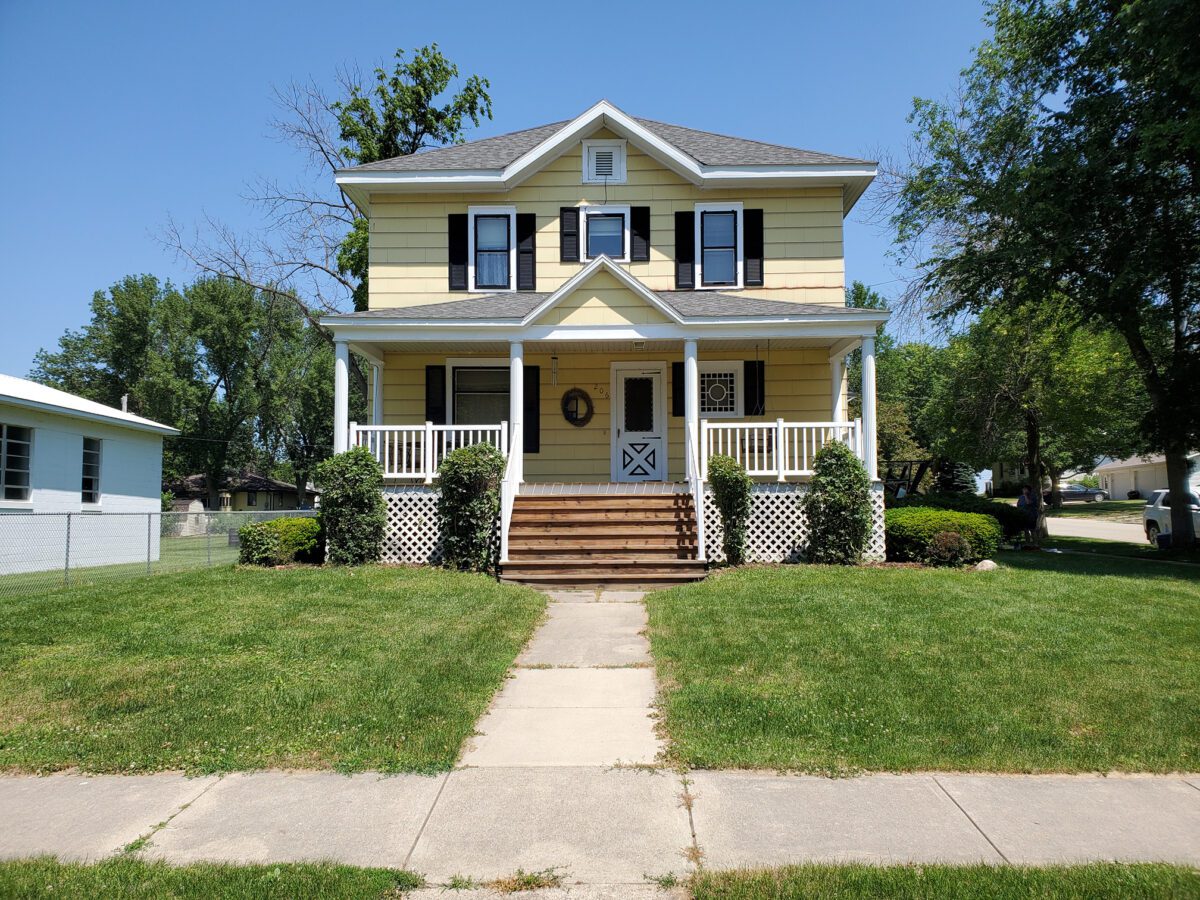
(639, 403)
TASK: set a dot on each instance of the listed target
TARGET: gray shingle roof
(706, 147)
(513, 307)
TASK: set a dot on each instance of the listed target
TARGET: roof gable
(610, 279)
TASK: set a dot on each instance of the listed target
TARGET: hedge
(468, 504)
(278, 542)
(732, 488)
(838, 507)
(353, 510)
(912, 535)
(1011, 519)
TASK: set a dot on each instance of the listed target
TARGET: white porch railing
(776, 449)
(414, 452)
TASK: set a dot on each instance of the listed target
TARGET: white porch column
(691, 406)
(341, 396)
(516, 411)
(377, 394)
(837, 377)
(868, 408)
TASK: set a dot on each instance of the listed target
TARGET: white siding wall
(130, 482)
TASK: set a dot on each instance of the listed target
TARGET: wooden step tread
(631, 580)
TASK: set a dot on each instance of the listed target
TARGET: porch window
(720, 390)
(16, 443)
(480, 395)
(606, 232)
(719, 244)
(90, 488)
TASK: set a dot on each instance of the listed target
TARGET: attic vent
(603, 162)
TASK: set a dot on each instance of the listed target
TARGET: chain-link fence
(40, 552)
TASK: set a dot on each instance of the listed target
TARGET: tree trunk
(1183, 531)
(1033, 449)
(1056, 500)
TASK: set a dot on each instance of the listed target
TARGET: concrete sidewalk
(599, 825)
(564, 774)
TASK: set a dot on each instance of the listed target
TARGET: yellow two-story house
(610, 301)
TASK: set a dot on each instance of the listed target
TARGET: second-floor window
(719, 246)
(492, 248)
(606, 231)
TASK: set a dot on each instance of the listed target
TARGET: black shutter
(752, 234)
(532, 431)
(568, 234)
(639, 234)
(526, 252)
(435, 394)
(754, 388)
(685, 251)
(456, 228)
(677, 399)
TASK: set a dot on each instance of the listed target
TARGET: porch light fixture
(639, 346)
(554, 370)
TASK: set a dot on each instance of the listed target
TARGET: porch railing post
(427, 453)
(781, 448)
(504, 438)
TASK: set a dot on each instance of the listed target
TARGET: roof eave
(144, 425)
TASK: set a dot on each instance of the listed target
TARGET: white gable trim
(602, 263)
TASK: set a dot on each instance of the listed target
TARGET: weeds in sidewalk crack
(665, 882)
(527, 881)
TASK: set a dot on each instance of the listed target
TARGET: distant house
(245, 492)
(60, 453)
(1142, 474)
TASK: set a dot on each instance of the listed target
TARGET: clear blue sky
(117, 115)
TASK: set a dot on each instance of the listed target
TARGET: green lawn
(1113, 510)
(129, 879)
(1052, 663)
(226, 669)
(852, 882)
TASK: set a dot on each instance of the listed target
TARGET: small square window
(718, 393)
(606, 235)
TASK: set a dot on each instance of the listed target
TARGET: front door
(639, 424)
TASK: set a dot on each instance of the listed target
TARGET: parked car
(1156, 517)
(1082, 492)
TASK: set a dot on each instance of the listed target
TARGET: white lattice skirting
(412, 534)
(778, 531)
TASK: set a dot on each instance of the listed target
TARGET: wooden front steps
(592, 540)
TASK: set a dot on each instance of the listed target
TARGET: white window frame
(733, 207)
(27, 503)
(739, 390)
(471, 362)
(472, 213)
(91, 504)
(586, 211)
(620, 171)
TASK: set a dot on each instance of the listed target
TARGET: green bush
(731, 491)
(468, 505)
(954, 478)
(947, 548)
(278, 542)
(353, 510)
(911, 533)
(838, 507)
(1011, 519)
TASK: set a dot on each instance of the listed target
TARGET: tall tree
(1069, 165)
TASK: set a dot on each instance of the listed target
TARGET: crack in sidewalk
(982, 833)
(425, 821)
(142, 841)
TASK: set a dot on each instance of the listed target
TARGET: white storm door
(639, 426)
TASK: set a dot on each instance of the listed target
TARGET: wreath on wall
(577, 407)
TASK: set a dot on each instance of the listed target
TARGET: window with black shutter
(568, 234)
(639, 234)
(752, 234)
(456, 228)
(526, 252)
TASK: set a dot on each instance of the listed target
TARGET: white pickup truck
(1156, 517)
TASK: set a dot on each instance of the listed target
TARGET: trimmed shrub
(468, 505)
(278, 542)
(1011, 519)
(838, 507)
(353, 510)
(911, 531)
(947, 548)
(731, 491)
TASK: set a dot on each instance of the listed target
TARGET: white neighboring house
(60, 453)
(1144, 474)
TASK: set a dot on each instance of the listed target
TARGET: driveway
(1100, 529)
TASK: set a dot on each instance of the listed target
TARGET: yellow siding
(602, 300)
(802, 232)
(798, 389)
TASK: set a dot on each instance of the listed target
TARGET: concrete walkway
(1099, 529)
(561, 776)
